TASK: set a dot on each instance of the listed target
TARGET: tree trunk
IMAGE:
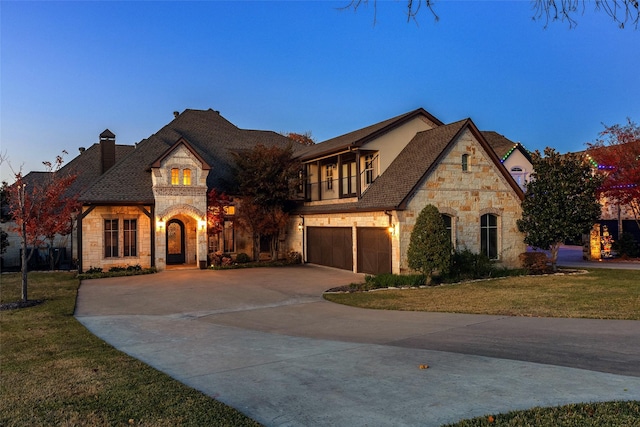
(554, 256)
(25, 267)
(256, 246)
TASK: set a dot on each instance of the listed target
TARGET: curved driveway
(265, 342)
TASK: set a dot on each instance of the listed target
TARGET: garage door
(374, 250)
(330, 246)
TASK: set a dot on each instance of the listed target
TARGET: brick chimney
(107, 149)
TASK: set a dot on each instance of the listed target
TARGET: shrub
(388, 280)
(294, 257)
(430, 243)
(627, 246)
(243, 258)
(117, 269)
(466, 265)
(94, 270)
(535, 262)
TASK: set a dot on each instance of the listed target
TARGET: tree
(622, 12)
(616, 154)
(41, 208)
(217, 204)
(430, 244)
(560, 201)
(267, 178)
(301, 138)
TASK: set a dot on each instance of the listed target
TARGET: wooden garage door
(330, 246)
(374, 250)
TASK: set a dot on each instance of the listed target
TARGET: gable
(449, 181)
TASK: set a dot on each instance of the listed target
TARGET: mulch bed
(20, 304)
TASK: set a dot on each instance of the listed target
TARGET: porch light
(392, 229)
(160, 224)
(202, 224)
(300, 226)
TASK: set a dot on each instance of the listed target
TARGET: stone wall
(93, 238)
(466, 195)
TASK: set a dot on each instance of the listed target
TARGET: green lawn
(599, 294)
(56, 373)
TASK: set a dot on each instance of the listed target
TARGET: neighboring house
(515, 158)
(617, 218)
(365, 189)
(146, 204)
(87, 167)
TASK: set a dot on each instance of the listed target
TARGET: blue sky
(69, 70)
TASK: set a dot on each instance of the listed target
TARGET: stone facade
(180, 193)
(93, 237)
(465, 196)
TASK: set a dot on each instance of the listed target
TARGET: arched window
(465, 162)
(448, 223)
(175, 176)
(489, 235)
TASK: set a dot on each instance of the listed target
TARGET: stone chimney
(107, 149)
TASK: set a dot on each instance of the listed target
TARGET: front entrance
(175, 242)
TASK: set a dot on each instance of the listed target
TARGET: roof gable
(174, 147)
(205, 133)
(361, 136)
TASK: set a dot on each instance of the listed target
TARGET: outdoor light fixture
(160, 224)
(301, 223)
(202, 224)
(392, 229)
(299, 226)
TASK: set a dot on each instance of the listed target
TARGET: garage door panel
(374, 250)
(330, 246)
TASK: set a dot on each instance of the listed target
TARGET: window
(110, 238)
(489, 235)
(130, 235)
(349, 179)
(448, 225)
(186, 177)
(329, 176)
(175, 176)
(368, 169)
(228, 237)
(465, 162)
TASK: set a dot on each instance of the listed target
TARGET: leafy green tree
(560, 201)
(267, 178)
(430, 245)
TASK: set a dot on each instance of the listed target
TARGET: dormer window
(368, 169)
(465, 162)
(186, 177)
(175, 176)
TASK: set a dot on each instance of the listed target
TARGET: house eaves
(355, 139)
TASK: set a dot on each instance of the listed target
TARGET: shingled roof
(361, 136)
(502, 145)
(393, 189)
(212, 136)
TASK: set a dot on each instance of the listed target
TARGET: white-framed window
(369, 169)
(329, 176)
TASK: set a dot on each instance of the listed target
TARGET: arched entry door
(175, 242)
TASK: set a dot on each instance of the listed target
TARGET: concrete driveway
(265, 342)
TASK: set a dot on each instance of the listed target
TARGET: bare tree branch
(622, 12)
